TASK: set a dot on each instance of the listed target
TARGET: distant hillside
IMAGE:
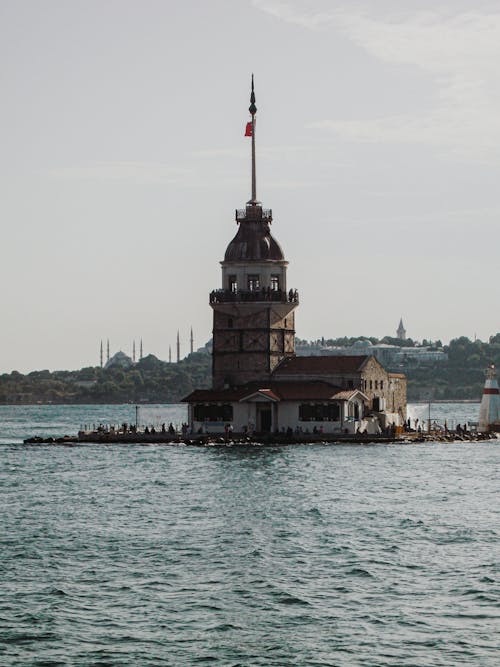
(149, 381)
(461, 377)
(155, 381)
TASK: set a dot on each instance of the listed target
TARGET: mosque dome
(119, 360)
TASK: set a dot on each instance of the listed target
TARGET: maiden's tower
(258, 383)
(253, 323)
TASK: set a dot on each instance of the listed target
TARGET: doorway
(264, 420)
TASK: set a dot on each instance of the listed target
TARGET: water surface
(302, 555)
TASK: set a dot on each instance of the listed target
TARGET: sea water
(280, 555)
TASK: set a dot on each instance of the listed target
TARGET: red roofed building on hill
(258, 384)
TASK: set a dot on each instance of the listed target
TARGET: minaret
(102, 355)
(178, 347)
(140, 350)
(254, 324)
(489, 411)
(191, 342)
(401, 332)
(133, 351)
(169, 354)
(107, 351)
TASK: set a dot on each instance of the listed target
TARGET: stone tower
(254, 323)
(401, 332)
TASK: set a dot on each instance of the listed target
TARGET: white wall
(288, 417)
(263, 269)
(245, 415)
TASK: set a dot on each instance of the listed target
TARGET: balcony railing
(264, 294)
(254, 213)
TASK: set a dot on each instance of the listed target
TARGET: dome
(119, 360)
(253, 241)
(363, 343)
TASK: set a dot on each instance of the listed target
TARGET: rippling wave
(308, 555)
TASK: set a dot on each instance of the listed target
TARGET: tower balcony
(253, 296)
(254, 214)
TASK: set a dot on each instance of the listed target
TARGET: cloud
(211, 153)
(459, 51)
(263, 151)
(290, 13)
(139, 173)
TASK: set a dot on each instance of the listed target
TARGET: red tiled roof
(295, 391)
(285, 391)
(346, 395)
(269, 393)
(217, 395)
(319, 364)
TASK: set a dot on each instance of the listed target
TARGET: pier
(108, 437)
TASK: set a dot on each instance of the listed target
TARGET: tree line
(154, 381)
(149, 381)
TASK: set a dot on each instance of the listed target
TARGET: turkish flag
(248, 130)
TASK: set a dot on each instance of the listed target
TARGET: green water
(306, 555)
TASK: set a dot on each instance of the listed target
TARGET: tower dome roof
(253, 240)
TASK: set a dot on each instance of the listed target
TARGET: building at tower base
(258, 382)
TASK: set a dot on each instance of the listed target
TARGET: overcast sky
(123, 159)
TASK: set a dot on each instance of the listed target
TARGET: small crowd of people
(407, 427)
(164, 429)
(458, 428)
(261, 294)
(133, 428)
(418, 427)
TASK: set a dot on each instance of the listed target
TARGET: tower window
(275, 283)
(229, 322)
(253, 283)
(233, 284)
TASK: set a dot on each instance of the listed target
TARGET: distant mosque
(122, 360)
(258, 382)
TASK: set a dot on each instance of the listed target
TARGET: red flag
(248, 129)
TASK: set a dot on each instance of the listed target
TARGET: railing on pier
(264, 294)
(254, 213)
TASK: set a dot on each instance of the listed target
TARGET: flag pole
(253, 109)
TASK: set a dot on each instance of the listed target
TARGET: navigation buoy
(489, 412)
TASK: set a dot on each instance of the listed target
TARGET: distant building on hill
(391, 356)
(401, 331)
(119, 360)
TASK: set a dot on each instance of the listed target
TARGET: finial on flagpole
(252, 108)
